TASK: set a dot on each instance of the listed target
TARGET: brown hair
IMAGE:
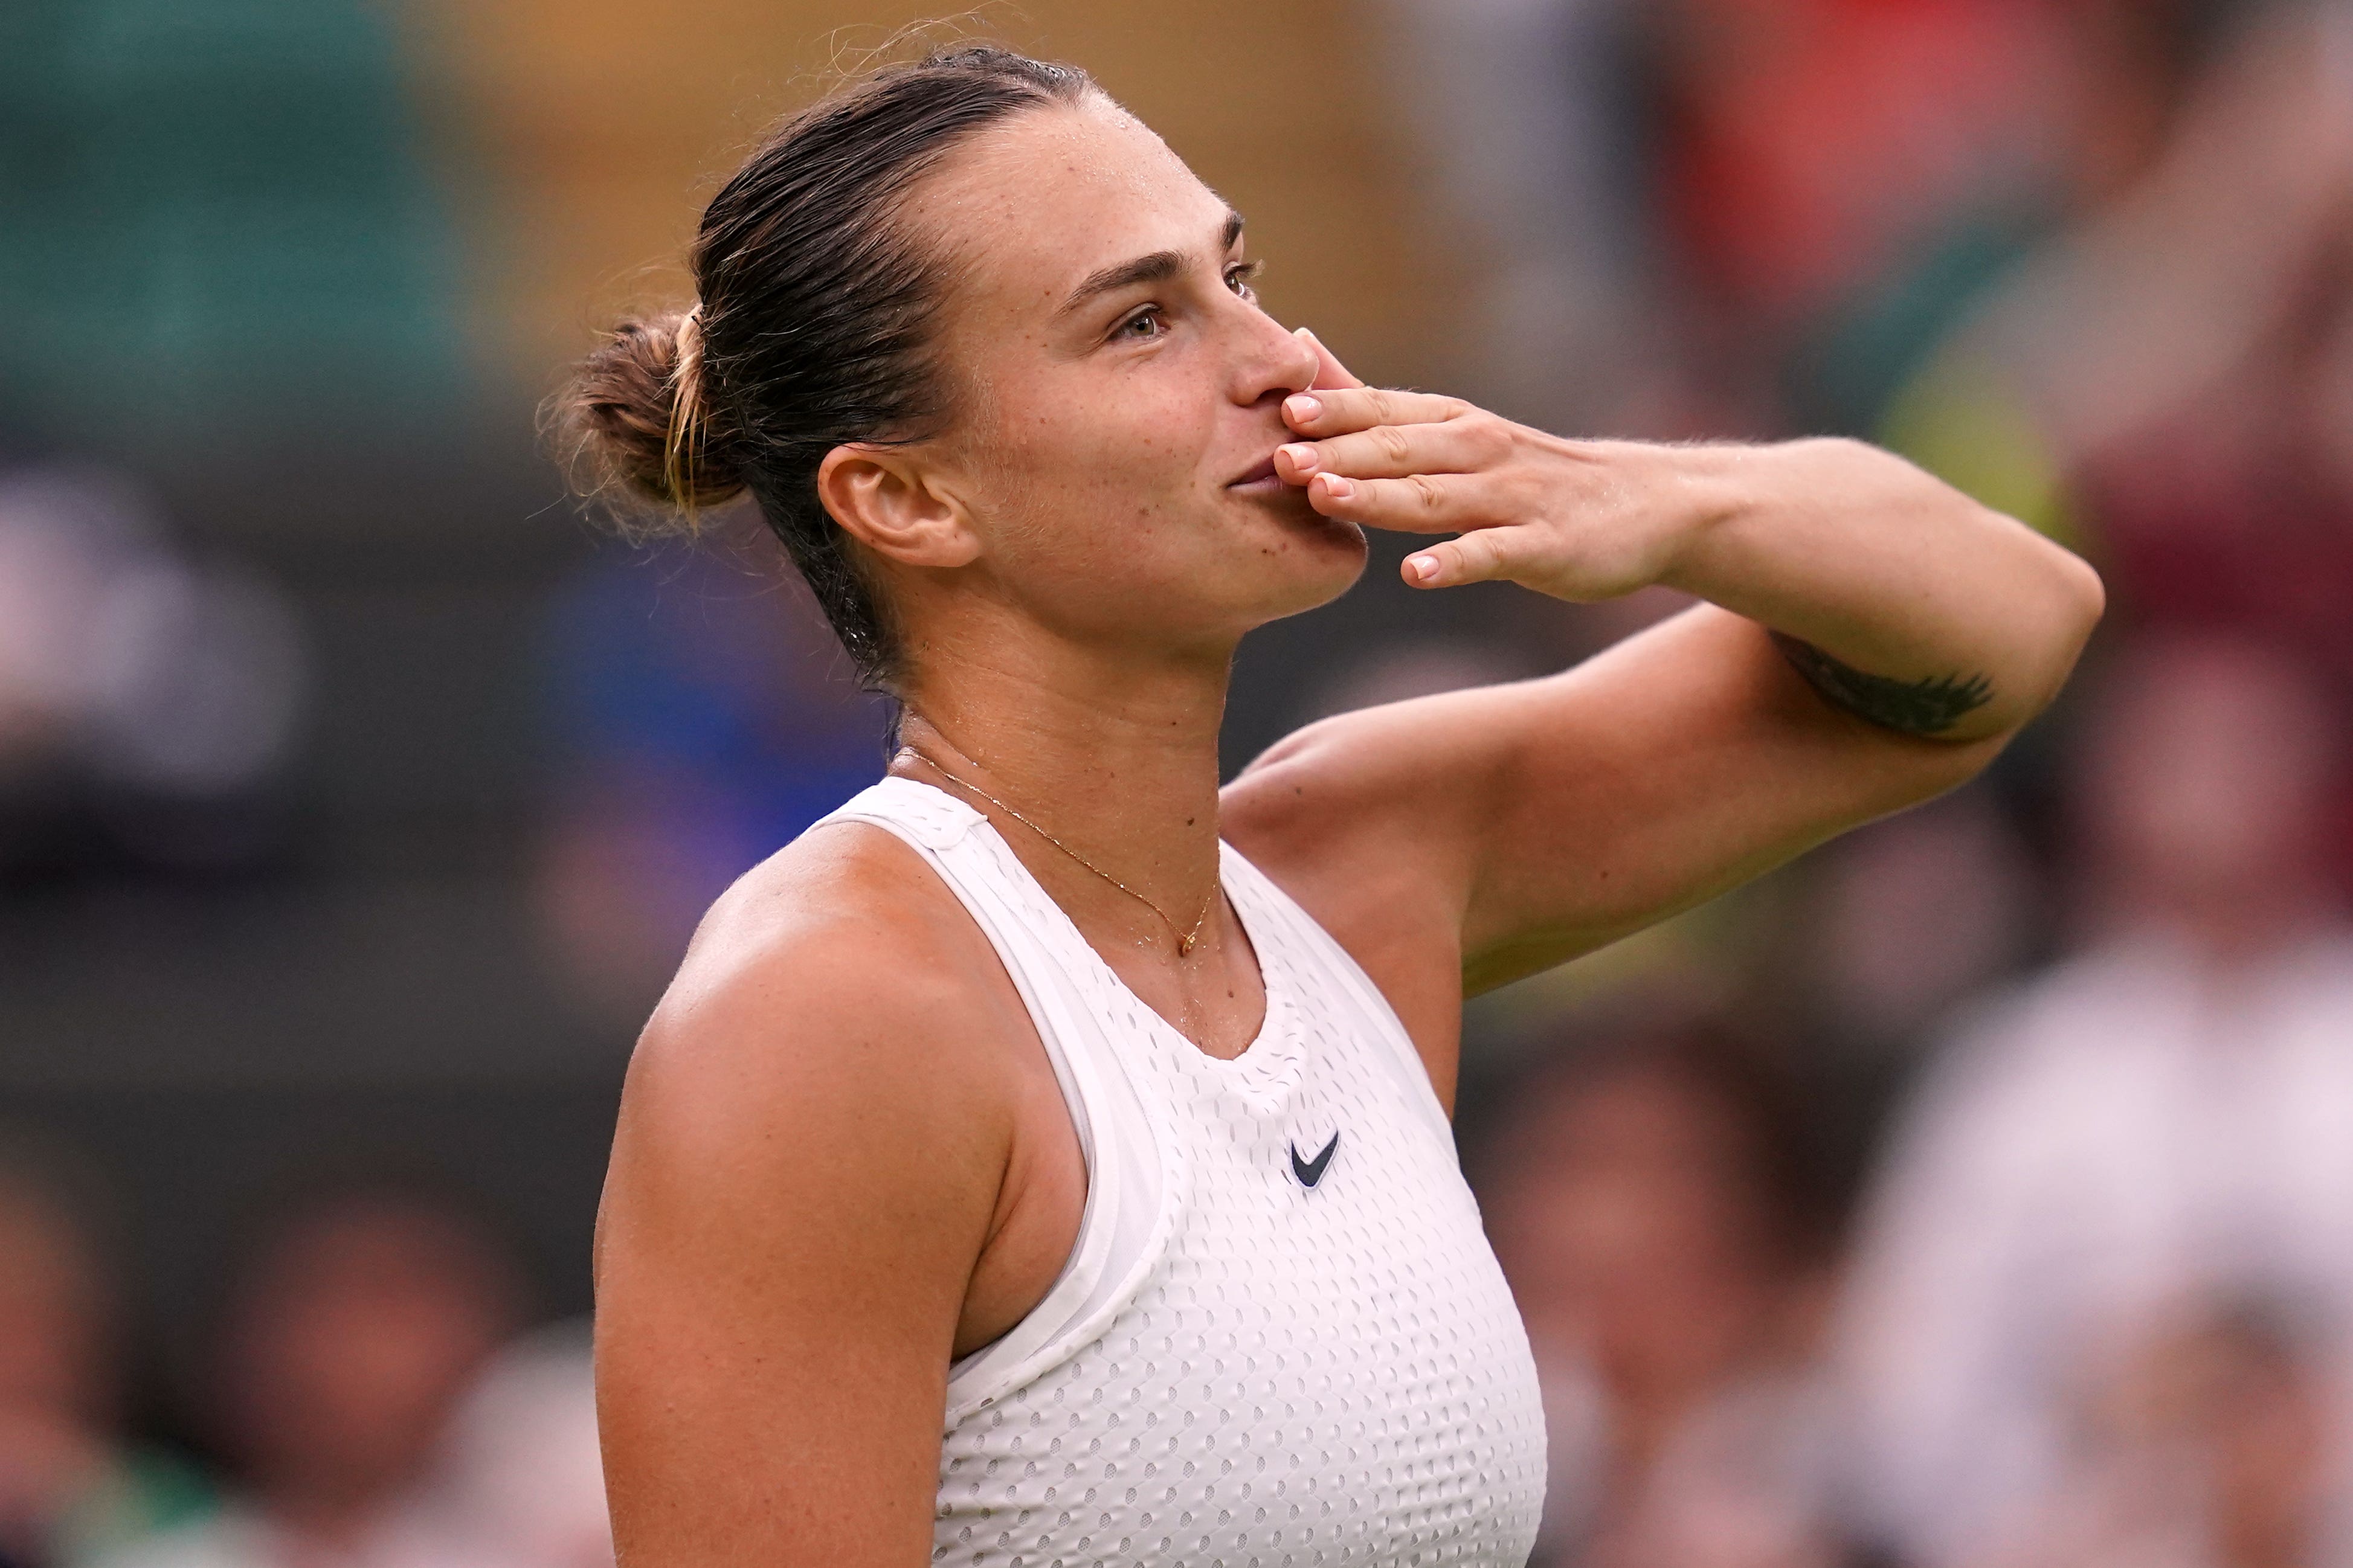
(813, 327)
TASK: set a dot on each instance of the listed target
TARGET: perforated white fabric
(1236, 1369)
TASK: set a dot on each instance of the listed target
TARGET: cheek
(1107, 456)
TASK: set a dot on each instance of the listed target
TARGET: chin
(1323, 560)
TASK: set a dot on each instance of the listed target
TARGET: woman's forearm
(1898, 598)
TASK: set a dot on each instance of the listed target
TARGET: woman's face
(1119, 391)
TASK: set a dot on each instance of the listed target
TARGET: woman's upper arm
(801, 1179)
(1508, 828)
(1681, 763)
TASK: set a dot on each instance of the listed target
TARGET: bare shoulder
(813, 1140)
(837, 1008)
(844, 922)
(1372, 805)
(1365, 820)
(1351, 778)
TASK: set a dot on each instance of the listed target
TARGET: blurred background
(1977, 1194)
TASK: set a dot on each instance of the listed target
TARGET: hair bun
(638, 423)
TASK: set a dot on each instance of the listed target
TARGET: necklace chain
(1184, 939)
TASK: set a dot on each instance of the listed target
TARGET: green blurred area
(215, 222)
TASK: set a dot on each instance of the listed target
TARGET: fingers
(1404, 461)
(1340, 411)
(1395, 451)
(1419, 504)
(1426, 504)
(1484, 556)
(1330, 372)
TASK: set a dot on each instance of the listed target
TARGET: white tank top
(1282, 1340)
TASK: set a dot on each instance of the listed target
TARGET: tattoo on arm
(1928, 707)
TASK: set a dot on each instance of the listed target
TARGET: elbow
(2091, 598)
(2076, 591)
(2079, 599)
(2050, 638)
(2052, 617)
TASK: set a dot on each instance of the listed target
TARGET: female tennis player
(1045, 1159)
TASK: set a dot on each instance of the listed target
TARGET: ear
(886, 500)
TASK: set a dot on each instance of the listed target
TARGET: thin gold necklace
(1184, 939)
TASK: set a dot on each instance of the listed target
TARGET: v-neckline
(1273, 983)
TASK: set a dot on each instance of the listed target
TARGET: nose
(1272, 363)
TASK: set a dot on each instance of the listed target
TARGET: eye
(1239, 275)
(1142, 326)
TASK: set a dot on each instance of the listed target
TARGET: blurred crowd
(1979, 1194)
(2095, 1303)
(2081, 1292)
(359, 1390)
(149, 697)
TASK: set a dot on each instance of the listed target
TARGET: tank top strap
(1124, 1224)
(1020, 918)
(929, 818)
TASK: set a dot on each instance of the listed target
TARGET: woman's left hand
(1576, 520)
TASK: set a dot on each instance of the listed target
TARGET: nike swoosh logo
(1311, 1172)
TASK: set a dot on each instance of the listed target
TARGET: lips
(1259, 475)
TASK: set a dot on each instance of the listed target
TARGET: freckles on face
(1036, 207)
(1116, 369)
(1127, 456)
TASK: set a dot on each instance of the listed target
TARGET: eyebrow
(1157, 267)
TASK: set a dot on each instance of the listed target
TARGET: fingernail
(1298, 407)
(1302, 455)
(1424, 567)
(1336, 488)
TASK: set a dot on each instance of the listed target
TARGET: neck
(1115, 757)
